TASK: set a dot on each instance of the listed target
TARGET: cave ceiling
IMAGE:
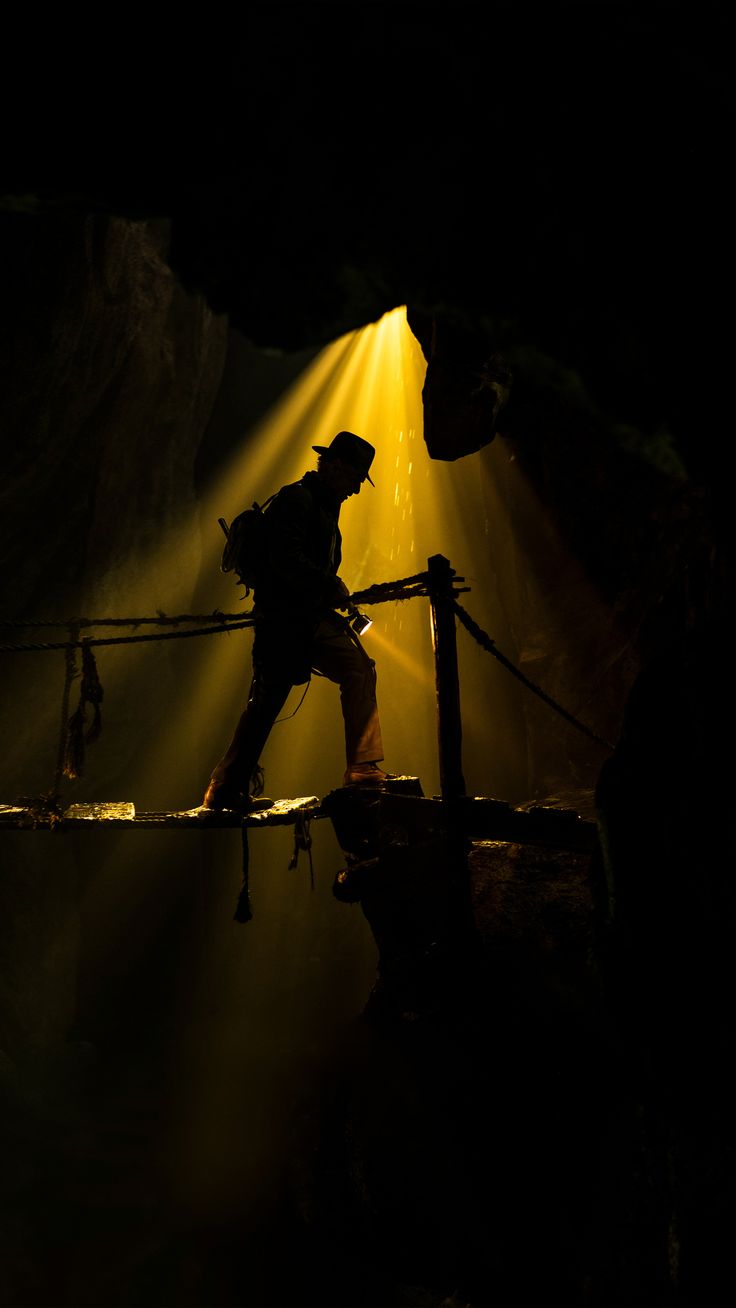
(530, 181)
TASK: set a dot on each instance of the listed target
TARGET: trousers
(337, 654)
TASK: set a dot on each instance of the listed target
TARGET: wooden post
(449, 725)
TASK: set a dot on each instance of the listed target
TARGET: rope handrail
(372, 595)
(488, 644)
(385, 591)
(161, 620)
(388, 590)
(87, 641)
(381, 592)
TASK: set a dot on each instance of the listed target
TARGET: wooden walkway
(400, 800)
(284, 812)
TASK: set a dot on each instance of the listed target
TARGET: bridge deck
(283, 812)
(480, 817)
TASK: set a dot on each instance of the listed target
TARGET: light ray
(369, 381)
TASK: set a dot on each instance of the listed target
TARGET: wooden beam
(447, 681)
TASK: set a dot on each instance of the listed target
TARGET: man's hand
(343, 595)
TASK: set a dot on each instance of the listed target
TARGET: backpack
(244, 544)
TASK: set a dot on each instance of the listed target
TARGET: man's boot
(366, 774)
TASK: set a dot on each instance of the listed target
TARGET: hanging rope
(488, 644)
(302, 841)
(70, 672)
(78, 734)
(244, 908)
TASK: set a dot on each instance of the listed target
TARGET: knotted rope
(302, 841)
(244, 621)
(161, 620)
(78, 734)
(74, 733)
(406, 588)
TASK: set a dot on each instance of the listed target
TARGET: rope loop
(302, 841)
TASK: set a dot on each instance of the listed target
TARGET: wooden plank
(476, 816)
(99, 813)
(557, 828)
(86, 816)
(447, 680)
(284, 812)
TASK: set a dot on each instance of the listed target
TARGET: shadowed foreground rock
(462, 1146)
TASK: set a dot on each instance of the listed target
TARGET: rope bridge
(439, 584)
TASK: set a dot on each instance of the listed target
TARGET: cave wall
(110, 372)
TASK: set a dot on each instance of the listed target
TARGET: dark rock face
(466, 386)
(472, 1121)
(665, 946)
(109, 372)
(109, 376)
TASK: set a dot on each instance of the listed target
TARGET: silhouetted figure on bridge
(297, 630)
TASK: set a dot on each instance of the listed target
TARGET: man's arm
(293, 540)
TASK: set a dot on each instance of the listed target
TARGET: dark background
(551, 183)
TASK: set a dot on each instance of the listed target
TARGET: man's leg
(230, 781)
(339, 655)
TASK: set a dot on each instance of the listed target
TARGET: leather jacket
(303, 550)
(297, 587)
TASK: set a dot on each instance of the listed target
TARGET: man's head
(345, 462)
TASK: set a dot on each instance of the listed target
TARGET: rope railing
(244, 620)
(161, 620)
(380, 593)
(488, 644)
(406, 588)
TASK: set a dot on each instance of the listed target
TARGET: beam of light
(355, 383)
(369, 381)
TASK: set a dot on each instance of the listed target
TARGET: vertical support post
(447, 681)
(70, 672)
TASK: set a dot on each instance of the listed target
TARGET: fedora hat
(353, 450)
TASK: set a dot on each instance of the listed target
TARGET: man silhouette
(297, 630)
